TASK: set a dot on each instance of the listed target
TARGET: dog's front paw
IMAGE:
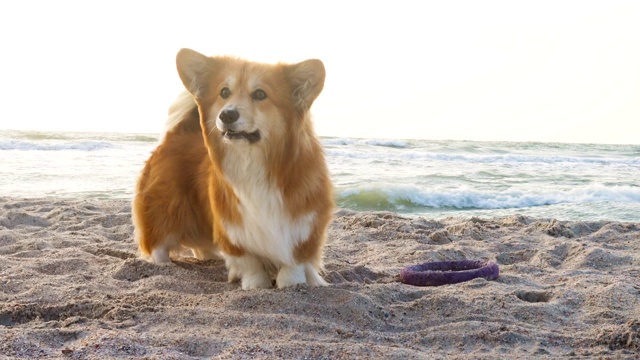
(256, 281)
(313, 277)
(290, 275)
(234, 275)
(249, 270)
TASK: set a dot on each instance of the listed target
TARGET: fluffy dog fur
(239, 172)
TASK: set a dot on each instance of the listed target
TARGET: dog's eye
(225, 92)
(259, 95)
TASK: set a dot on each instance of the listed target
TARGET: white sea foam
(398, 197)
(480, 159)
(387, 143)
(338, 141)
(80, 146)
(400, 144)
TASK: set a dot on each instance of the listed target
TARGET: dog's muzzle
(229, 117)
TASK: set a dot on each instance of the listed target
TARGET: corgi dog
(240, 173)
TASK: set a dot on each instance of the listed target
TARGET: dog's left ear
(307, 80)
(195, 71)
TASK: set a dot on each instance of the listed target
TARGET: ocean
(434, 179)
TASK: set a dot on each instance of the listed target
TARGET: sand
(72, 286)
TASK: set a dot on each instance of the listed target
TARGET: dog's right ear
(195, 71)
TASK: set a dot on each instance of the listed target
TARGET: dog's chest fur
(268, 229)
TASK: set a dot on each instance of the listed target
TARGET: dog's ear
(307, 80)
(195, 71)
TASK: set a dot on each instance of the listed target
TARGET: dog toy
(448, 272)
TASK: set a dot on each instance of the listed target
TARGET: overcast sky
(561, 71)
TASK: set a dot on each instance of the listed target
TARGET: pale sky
(552, 71)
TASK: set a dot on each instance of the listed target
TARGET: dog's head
(245, 102)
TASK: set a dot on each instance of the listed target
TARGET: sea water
(434, 179)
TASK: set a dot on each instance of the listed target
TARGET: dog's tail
(183, 115)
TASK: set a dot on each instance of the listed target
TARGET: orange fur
(207, 190)
(172, 196)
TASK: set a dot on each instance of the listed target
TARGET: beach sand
(72, 286)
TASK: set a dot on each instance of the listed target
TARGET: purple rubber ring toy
(448, 272)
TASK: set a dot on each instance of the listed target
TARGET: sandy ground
(72, 286)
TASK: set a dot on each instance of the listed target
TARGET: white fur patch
(179, 109)
(250, 270)
(291, 275)
(160, 256)
(313, 278)
(268, 230)
(231, 82)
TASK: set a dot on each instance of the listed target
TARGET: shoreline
(72, 286)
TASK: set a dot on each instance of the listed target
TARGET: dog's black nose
(229, 116)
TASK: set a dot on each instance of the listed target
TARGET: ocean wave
(142, 138)
(48, 136)
(80, 145)
(337, 141)
(409, 199)
(400, 144)
(480, 159)
(515, 158)
(392, 143)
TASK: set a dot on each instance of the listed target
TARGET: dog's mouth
(251, 137)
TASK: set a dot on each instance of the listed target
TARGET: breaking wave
(79, 146)
(412, 199)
